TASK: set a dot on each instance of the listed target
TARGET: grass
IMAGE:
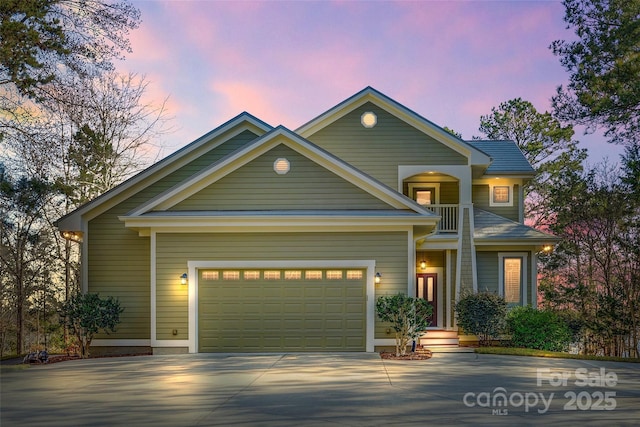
(513, 351)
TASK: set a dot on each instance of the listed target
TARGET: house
(256, 238)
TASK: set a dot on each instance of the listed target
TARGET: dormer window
(501, 195)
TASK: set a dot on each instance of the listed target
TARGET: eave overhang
(273, 221)
(73, 221)
(280, 135)
(475, 156)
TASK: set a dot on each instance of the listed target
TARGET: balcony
(449, 214)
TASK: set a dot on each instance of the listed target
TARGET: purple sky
(289, 61)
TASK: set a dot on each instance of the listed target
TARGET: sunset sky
(289, 61)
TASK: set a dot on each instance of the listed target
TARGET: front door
(426, 287)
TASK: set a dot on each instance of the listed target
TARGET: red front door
(426, 287)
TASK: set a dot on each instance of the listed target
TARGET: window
(354, 274)
(334, 274)
(210, 275)
(512, 277)
(501, 195)
(425, 193)
(424, 197)
(272, 275)
(231, 275)
(313, 275)
(292, 275)
(252, 275)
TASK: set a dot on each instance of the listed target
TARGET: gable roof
(369, 94)
(177, 159)
(490, 227)
(261, 145)
(507, 158)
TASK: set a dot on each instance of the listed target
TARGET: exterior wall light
(74, 236)
(547, 248)
(184, 279)
(423, 264)
(378, 278)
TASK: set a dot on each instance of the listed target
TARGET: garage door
(256, 310)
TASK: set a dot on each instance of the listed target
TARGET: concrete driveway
(353, 389)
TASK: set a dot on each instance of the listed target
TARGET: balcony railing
(449, 214)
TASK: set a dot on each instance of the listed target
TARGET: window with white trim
(512, 277)
(501, 195)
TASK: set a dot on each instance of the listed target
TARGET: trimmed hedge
(538, 329)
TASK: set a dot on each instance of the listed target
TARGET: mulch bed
(422, 355)
(56, 358)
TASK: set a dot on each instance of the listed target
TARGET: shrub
(409, 317)
(87, 314)
(482, 314)
(538, 329)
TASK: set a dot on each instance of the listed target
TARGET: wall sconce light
(74, 236)
(183, 279)
(547, 248)
(423, 264)
(378, 277)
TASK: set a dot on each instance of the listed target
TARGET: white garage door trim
(193, 266)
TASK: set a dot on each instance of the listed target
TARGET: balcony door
(426, 288)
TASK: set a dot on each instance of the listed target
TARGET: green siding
(118, 266)
(255, 186)
(487, 265)
(449, 193)
(388, 249)
(203, 161)
(118, 259)
(378, 151)
(432, 258)
(480, 197)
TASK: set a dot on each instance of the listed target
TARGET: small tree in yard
(87, 314)
(482, 314)
(409, 317)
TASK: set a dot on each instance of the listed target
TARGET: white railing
(449, 214)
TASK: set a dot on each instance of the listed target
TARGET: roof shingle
(507, 157)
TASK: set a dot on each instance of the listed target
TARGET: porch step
(440, 339)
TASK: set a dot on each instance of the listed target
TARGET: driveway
(354, 389)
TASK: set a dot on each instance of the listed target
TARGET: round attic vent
(281, 166)
(368, 119)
